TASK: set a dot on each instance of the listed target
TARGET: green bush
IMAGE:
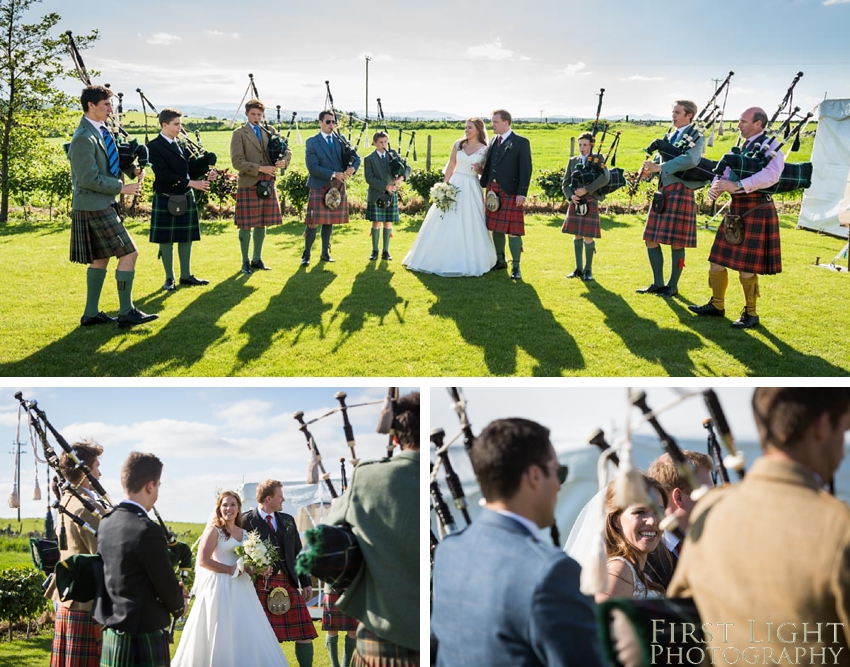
(293, 186)
(422, 181)
(550, 181)
(223, 189)
(21, 594)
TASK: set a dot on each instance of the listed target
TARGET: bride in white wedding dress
(457, 243)
(226, 626)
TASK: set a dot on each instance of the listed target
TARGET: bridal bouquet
(256, 553)
(444, 195)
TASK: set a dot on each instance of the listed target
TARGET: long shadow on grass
(178, 344)
(371, 294)
(773, 357)
(644, 338)
(503, 318)
(299, 306)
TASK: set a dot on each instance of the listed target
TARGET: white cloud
(572, 69)
(827, 3)
(163, 39)
(640, 77)
(219, 33)
(493, 51)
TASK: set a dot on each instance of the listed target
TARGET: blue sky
(207, 438)
(467, 57)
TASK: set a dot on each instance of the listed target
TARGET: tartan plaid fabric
(319, 214)
(510, 218)
(334, 618)
(616, 181)
(795, 175)
(294, 624)
(145, 649)
(372, 651)
(167, 228)
(761, 251)
(76, 639)
(254, 211)
(377, 214)
(583, 225)
(677, 224)
(98, 234)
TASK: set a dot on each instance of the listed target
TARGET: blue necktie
(259, 136)
(111, 151)
(675, 137)
(330, 140)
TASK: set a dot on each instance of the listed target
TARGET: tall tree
(31, 60)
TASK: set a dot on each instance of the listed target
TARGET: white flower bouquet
(256, 553)
(444, 195)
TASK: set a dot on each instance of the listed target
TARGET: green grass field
(361, 318)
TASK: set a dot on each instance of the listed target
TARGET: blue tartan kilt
(167, 228)
(145, 649)
(377, 214)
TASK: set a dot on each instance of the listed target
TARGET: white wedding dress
(456, 243)
(227, 626)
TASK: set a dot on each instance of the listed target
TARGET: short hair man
(775, 548)
(502, 595)
(97, 231)
(141, 590)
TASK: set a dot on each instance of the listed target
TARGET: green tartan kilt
(125, 649)
(377, 214)
(167, 228)
(98, 235)
(372, 651)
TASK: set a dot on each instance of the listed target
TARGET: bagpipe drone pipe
(349, 149)
(397, 164)
(278, 145)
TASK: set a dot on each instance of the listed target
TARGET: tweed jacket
(382, 506)
(286, 539)
(774, 548)
(685, 161)
(599, 182)
(247, 155)
(94, 187)
(378, 176)
(323, 160)
(509, 165)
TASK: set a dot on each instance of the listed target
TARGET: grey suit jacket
(601, 180)
(377, 174)
(247, 154)
(504, 599)
(94, 187)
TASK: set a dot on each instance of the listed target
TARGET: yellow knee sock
(718, 281)
(751, 292)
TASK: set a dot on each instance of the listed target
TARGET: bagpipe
(617, 176)
(398, 165)
(279, 145)
(584, 174)
(333, 197)
(131, 153)
(201, 161)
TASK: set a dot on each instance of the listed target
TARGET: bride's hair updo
(479, 127)
(219, 521)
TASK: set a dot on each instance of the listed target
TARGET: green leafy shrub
(422, 181)
(21, 595)
(293, 186)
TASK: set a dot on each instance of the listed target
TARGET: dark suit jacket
(503, 598)
(286, 539)
(377, 174)
(140, 590)
(172, 169)
(509, 165)
(323, 160)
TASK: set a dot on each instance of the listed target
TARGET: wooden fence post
(428, 155)
(572, 146)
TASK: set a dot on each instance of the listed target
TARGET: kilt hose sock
(499, 244)
(677, 260)
(376, 234)
(304, 651)
(332, 643)
(656, 263)
(309, 237)
(348, 650)
(515, 245)
(244, 243)
(388, 232)
(184, 253)
(577, 247)
(124, 281)
(94, 286)
(751, 292)
(590, 251)
(326, 240)
(259, 237)
(718, 281)
(166, 254)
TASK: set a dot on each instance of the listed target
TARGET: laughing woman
(631, 534)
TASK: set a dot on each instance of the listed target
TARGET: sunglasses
(330, 122)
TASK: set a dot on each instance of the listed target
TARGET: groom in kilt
(506, 175)
(756, 250)
(279, 528)
(323, 155)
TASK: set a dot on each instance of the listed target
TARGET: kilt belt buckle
(278, 602)
(493, 203)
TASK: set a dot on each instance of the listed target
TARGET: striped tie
(111, 150)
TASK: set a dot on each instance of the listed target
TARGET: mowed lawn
(361, 318)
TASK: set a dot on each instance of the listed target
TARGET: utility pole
(368, 59)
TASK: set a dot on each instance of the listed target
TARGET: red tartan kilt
(677, 224)
(510, 218)
(296, 623)
(76, 639)
(319, 214)
(761, 251)
(583, 225)
(334, 618)
(254, 211)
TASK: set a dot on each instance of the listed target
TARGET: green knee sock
(94, 285)
(304, 654)
(244, 242)
(124, 280)
(348, 650)
(326, 239)
(515, 245)
(677, 259)
(166, 254)
(376, 234)
(499, 244)
(259, 237)
(309, 237)
(656, 261)
(590, 250)
(577, 244)
(332, 643)
(388, 232)
(184, 253)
